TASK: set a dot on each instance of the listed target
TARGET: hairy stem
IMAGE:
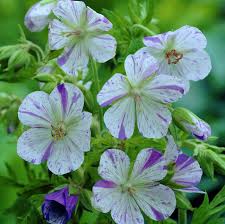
(145, 29)
(97, 87)
(182, 216)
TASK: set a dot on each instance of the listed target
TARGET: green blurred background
(206, 98)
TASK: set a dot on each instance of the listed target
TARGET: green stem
(97, 86)
(182, 216)
(139, 26)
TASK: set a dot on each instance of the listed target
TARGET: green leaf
(7, 181)
(45, 77)
(85, 199)
(88, 217)
(183, 202)
(210, 212)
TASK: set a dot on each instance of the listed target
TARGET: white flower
(38, 16)
(60, 131)
(181, 53)
(81, 32)
(140, 95)
(125, 194)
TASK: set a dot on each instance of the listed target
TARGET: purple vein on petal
(170, 87)
(153, 158)
(122, 133)
(110, 101)
(64, 96)
(47, 152)
(33, 114)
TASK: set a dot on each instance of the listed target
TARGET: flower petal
(37, 18)
(71, 11)
(114, 89)
(148, 167)
(56, 36)
(157, 201)
(75, 57)
(35, 145)
(153, 118)
(66, 100)
(187, 172)
(126, 211)
(65, 157)
(140, 66)
(35, 110)
(79, 131)
(191, 190)
(188, 37)
(165, 88)
(172, 150)
(120, 118)
(105, 193)
(114, 166)
(97, 21)
(195, 65)
(102, 47)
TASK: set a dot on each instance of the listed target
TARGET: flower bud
(189, 122)
(59, 206)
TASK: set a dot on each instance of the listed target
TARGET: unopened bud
(189, 122)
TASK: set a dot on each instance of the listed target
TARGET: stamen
(173, 57)
(58, 132)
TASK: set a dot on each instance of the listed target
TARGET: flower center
(136, 93)
(58, 132)
(173, 57)
(78, 33)
(128, 188)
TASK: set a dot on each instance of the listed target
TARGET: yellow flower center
(58, 132)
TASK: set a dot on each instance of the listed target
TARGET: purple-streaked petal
(35, 110)
(102, 48)
(65, 157)
(72, 12)
(126, 211)
(58, 196)
(188, 37)
(172, 150)
(157, 201)
(97, 21)
(57, 35)
(148, 167)
(120, 118)
(104, 194)
(140, 66)
(74, 58)
(35, 145)
(37, 18)
(114, 166)
(114, 89)
(78, 130)
(66, 101)
(153, 118)
(195, 65)
(165, 88)
(191, 190)
(187, 171)
(158, 41)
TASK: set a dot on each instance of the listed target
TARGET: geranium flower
(189, 122)
(125, 194)
(59, 206)
(60, 131)
(187, 171)
(81, 32)
(38, 16)
(181, 53)
(141, 94)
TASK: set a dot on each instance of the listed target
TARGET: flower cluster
(156, 76)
